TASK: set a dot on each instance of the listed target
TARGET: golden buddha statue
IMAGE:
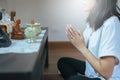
(17, 33)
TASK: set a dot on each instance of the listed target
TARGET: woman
(99, 44)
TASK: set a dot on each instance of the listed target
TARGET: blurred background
(54, 14)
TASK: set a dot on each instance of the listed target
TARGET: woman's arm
(103, 66)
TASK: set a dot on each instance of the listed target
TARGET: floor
(56, 51)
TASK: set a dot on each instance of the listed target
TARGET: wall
(4, 4)
(54, 14)
(8, 5)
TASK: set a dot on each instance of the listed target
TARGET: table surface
(22, 46)
(21, 63)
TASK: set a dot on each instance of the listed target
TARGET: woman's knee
(61, 61)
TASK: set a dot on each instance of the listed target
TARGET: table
(28, 66)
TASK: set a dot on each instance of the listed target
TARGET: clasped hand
(75, 37)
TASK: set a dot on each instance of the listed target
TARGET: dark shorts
(69, 69)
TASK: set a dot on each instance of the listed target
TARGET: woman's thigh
(77, 65)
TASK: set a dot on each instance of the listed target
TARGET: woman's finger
(69, 36)
(79, 33)
(71, 30)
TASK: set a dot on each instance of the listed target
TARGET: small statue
(32, 31)
(12, 15)
(17, 33)
(32, 21)
(4, 28)
(37, 26)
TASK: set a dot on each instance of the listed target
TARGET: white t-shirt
(104, 42)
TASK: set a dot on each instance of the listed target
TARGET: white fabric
(9, 25)
(22, 46)
(104, 42)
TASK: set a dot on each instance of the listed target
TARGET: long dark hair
(102, 10)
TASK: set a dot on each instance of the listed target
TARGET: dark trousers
(69, 69)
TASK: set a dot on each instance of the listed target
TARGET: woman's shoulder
(112, 20)
(112, 23)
